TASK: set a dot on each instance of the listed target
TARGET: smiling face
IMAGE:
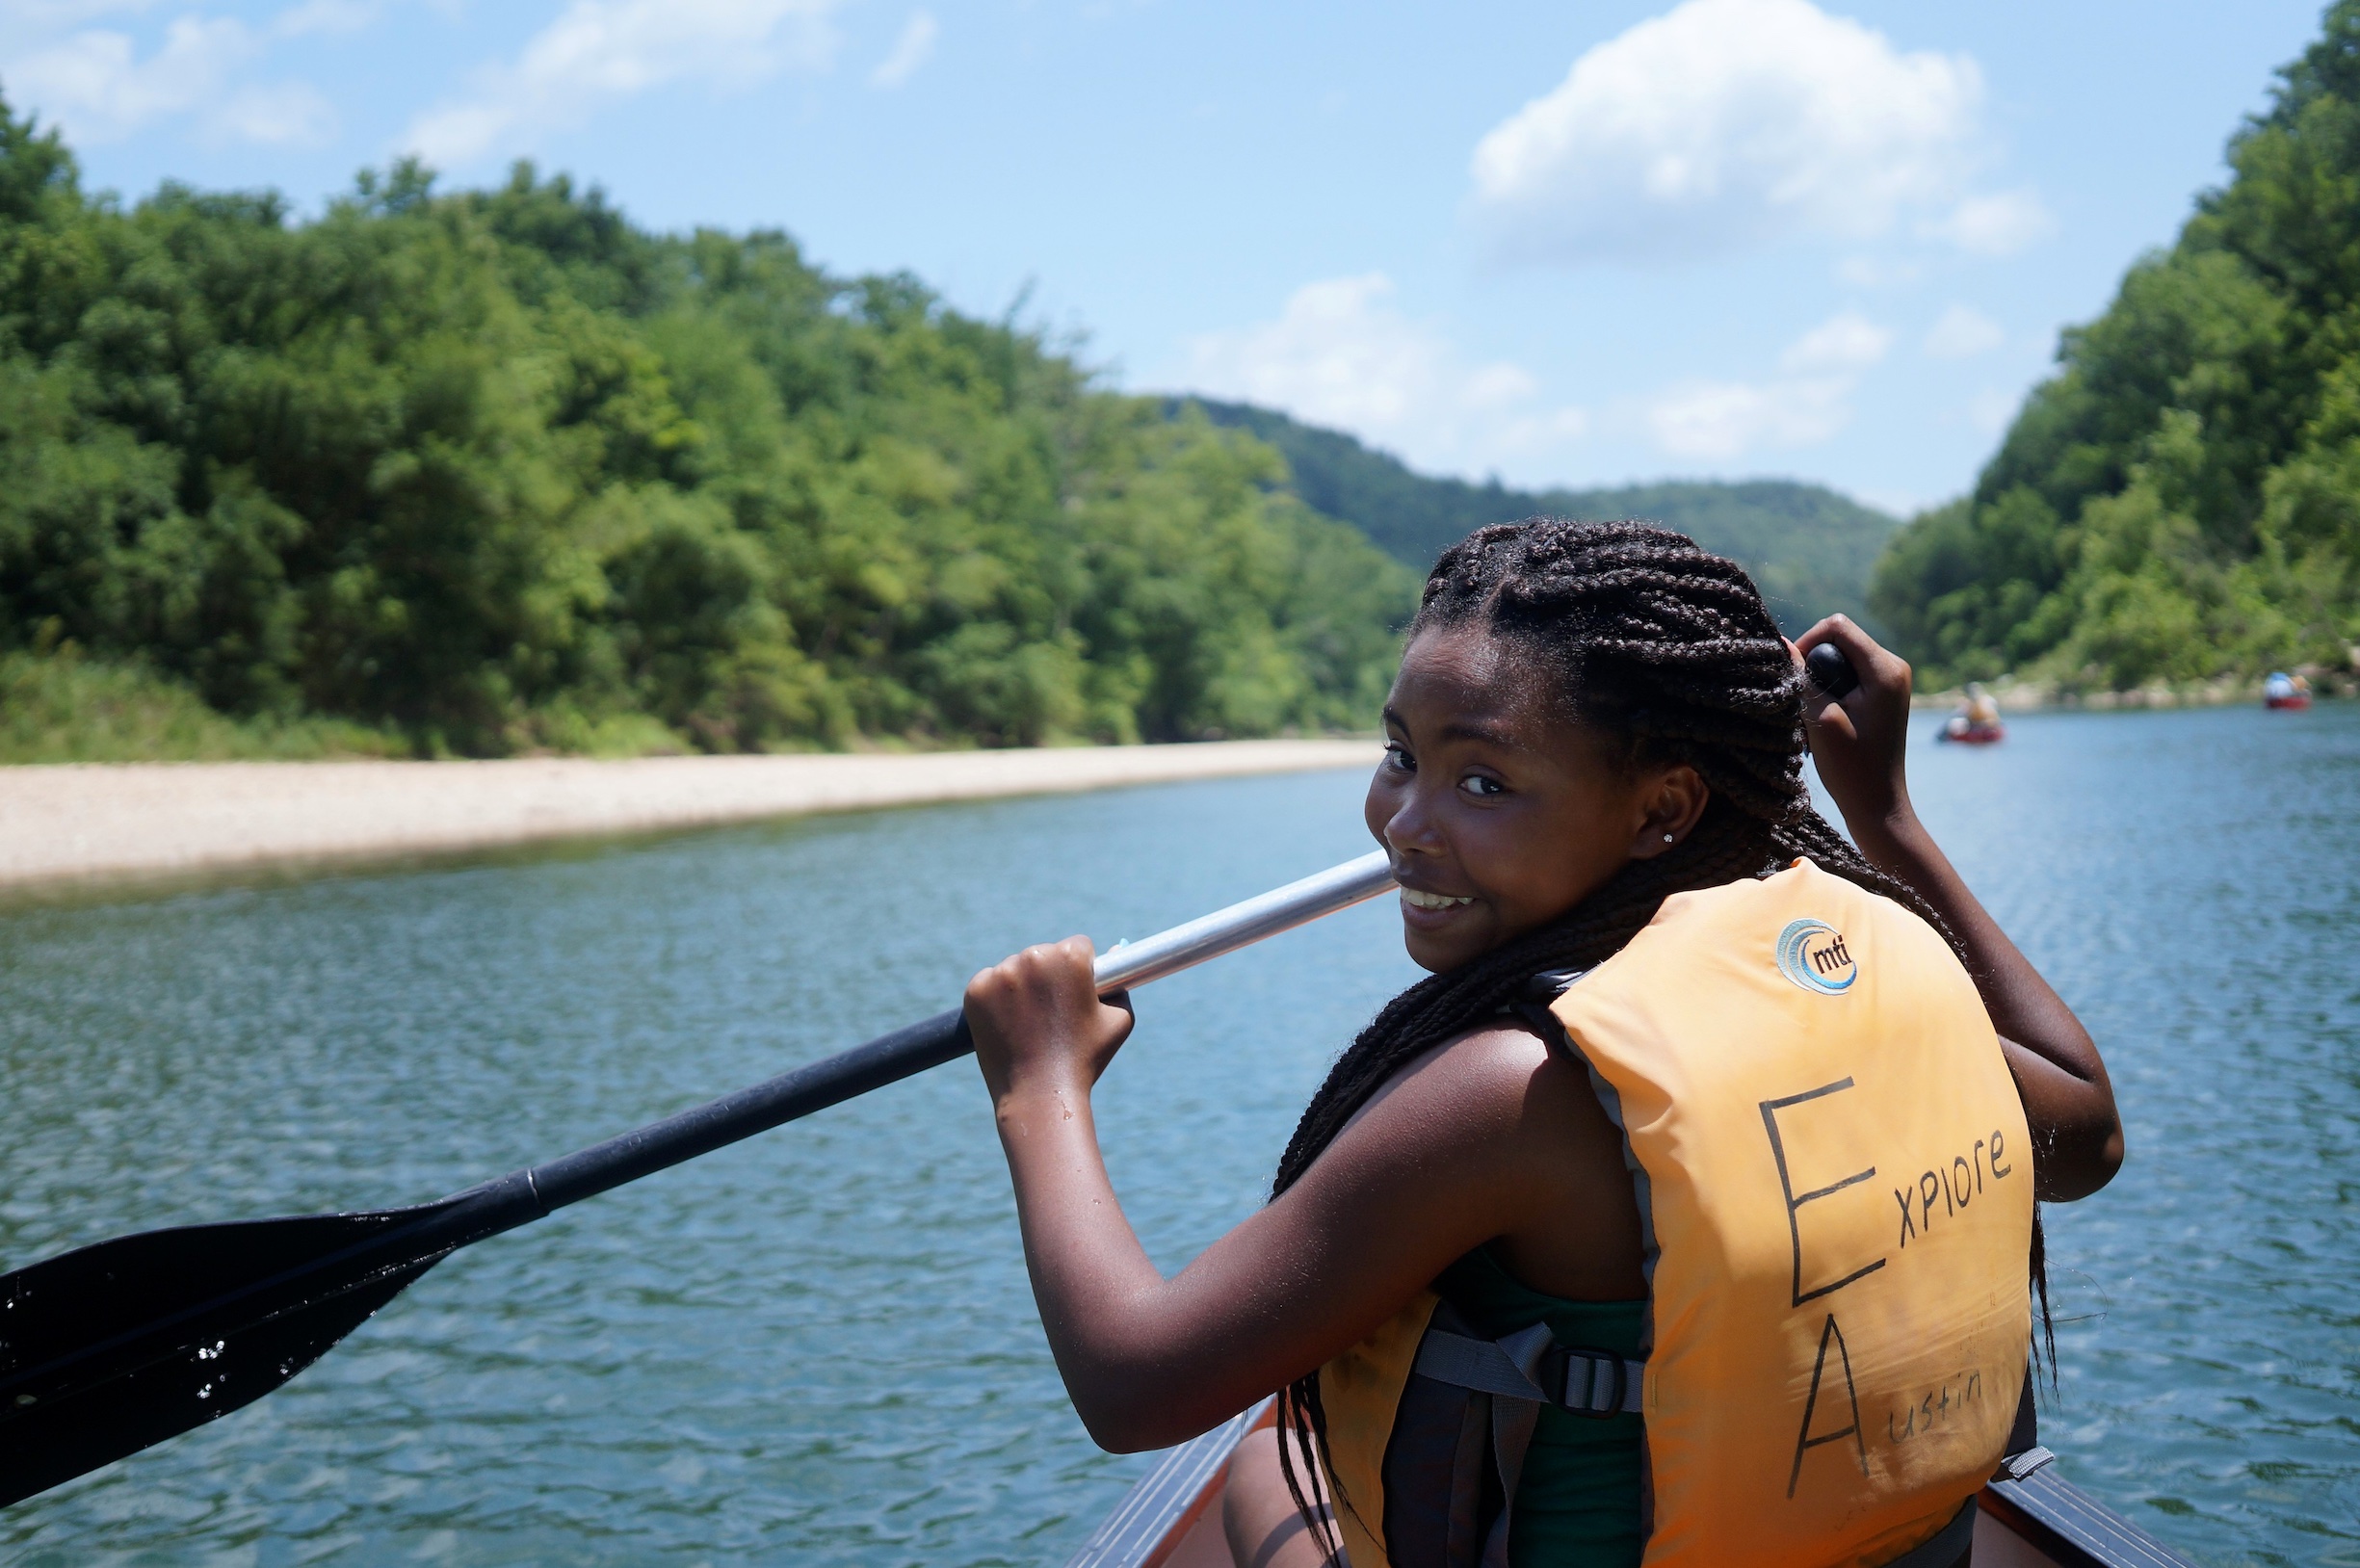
(1500, 813)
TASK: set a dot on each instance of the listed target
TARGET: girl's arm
(1858, 744)
(1449, 1156)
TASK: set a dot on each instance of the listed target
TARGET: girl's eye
(1481, 786)
(1398, 756)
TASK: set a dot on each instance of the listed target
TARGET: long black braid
(1668, 650)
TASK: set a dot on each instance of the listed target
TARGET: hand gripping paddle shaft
(115, 1347)
(1831, 671)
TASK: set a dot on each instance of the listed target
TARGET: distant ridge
(1810, 549)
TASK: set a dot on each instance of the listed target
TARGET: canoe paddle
(115, 1347)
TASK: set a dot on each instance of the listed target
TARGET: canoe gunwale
(1152, 1519)
(2060, 1519)
(2031, 1500)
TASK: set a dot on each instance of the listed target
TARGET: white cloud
(603, 51)
(325, 16)
(1725, 124)
(43, 18)
(1990, 410)
(1963, 333)
(1891, 503)
(1847, 341)
(1339, 353)
(1717, 421)
(284, 114)
(1877, 272)
(912, 50)
(2000, 224)
(97, 87)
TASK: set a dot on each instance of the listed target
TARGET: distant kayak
(1966, 731)
(1977, 723)
(2284, 690)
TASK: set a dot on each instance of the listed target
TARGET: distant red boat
(2284, 690)
(1978, 723)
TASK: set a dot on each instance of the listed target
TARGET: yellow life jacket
(1833, 1169)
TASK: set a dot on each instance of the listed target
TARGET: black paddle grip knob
(1829, 671)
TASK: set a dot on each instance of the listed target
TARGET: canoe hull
(2029, 1518)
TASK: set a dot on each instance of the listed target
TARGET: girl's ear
(1674, 802)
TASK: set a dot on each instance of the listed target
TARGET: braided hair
(1667, 652)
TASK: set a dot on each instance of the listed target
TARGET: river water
(819, 1347)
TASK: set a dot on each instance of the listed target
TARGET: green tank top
(1577, 1504)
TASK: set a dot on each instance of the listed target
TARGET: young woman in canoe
(1683, 1212)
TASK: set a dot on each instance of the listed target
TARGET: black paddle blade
(111, 1349)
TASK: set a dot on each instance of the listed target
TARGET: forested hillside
(1810, 549)
(493, 471)
(2181, 498)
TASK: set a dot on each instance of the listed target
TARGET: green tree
(2178, 501)
(496, 470)
(1808, 548)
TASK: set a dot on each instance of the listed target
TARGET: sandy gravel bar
(96, 824)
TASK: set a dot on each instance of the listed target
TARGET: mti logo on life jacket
(1811, 953)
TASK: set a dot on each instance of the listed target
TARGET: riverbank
(84, 825)
(2022, 696)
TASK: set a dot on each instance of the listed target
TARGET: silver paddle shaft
(526, 1194)
(1242, 925)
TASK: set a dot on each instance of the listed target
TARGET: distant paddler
(1977, 723)
(2284, 690)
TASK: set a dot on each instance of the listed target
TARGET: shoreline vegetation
(2178, 507)
(1809, 549)
(496, 474)
(2017, 695)
(104, 827)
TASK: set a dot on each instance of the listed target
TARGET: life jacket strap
(1584, 1383)
(1530, 1005)
(1512, 1378)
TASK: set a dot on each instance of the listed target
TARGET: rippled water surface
(819, 1347)
(2190, 883)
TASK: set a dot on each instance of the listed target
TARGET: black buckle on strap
(1549, 984)
(1560, 1365)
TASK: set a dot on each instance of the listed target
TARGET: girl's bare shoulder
(1475, 1086)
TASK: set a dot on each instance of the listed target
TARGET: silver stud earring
(1668, 838)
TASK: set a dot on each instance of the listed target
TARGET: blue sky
(1569, 244)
